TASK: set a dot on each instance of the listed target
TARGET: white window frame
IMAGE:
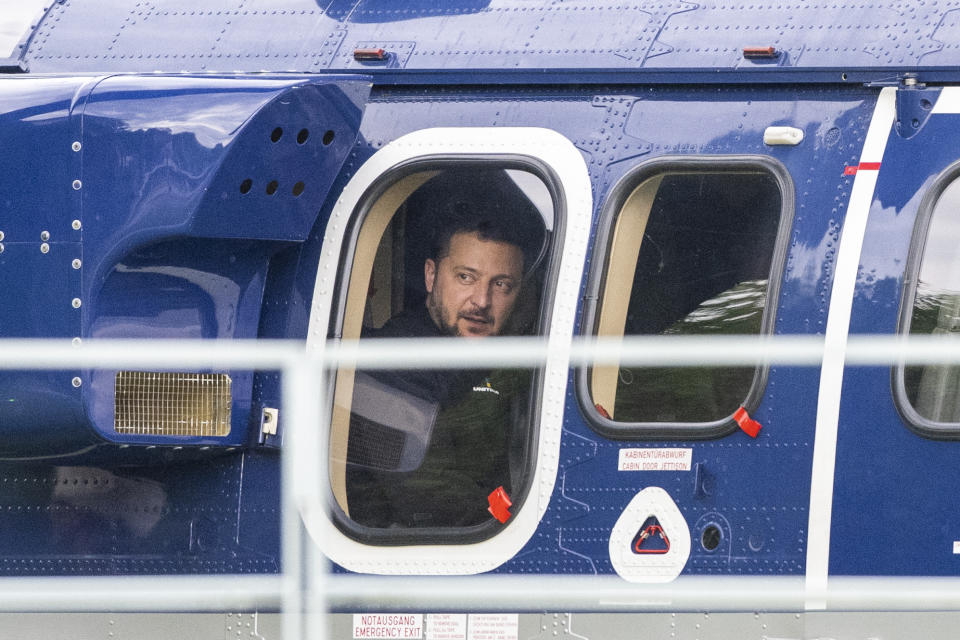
(555, 152)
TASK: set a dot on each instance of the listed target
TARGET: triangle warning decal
(651, 538)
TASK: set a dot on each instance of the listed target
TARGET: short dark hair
(486, 228)
(486, 202)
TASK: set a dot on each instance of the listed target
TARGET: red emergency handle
(649, 532)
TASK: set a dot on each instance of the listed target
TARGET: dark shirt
(444, 481)
(444, 386)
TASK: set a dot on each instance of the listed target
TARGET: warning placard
(388, 625)
(493, 626)
(446, 626)
(655, 459)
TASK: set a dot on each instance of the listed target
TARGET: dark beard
(435, 309)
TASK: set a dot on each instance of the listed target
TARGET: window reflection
(690, 254)
(934, 390)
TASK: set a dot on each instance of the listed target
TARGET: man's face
(472, 290)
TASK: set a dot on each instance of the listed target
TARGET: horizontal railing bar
(477, 593)
(182, 593)
(138, 354)
(609, 594)
(643, 351)
(456, 353)
(509, 593)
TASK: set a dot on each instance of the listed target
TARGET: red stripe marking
(863, 166)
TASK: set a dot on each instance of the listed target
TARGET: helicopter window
(928, 395)
(452, 249)
(689, 248)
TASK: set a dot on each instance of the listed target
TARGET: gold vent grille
(172, 404)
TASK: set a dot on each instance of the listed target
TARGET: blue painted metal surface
(904, 482)
(184, 518)
(168, 211)
(504, 37)
(758, 489)
(39, 287)
(127, 196)
(150, 227)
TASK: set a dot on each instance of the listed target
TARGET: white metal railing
(305, 586)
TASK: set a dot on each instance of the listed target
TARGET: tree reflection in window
(934, 390)
(699, 246)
